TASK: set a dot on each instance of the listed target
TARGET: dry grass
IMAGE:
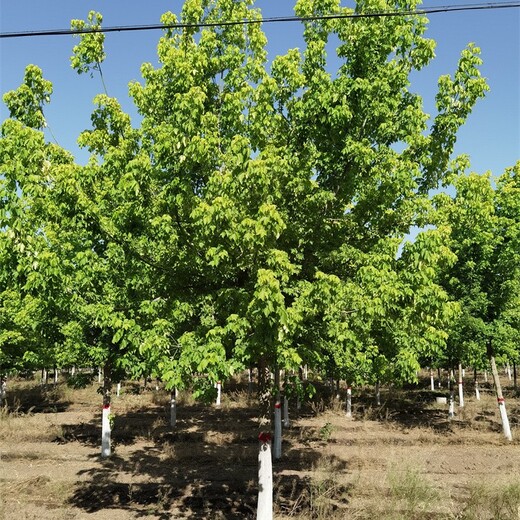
(402, 460)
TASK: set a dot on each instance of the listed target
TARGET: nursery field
(400, 460)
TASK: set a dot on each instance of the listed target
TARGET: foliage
(256, 213)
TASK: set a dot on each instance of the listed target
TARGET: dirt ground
(403, 459)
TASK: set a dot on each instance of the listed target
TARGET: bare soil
(403, 459)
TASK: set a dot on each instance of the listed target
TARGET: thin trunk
(264, 390)
(432, 380)
(73, 371)
(55, 376)
(3, 391)
(338, 396)
(250, 382)
(305, 372)
(508, 370)
(44, 376)
(439, 374)
(118, 389)
(100, 375)
(461, 387)
(265, 479)
(286, 422)
(173, 408)
(219, 393)
(378, 394)
(500, 397)
(485, 376)
(477, 390)
(349, 401)
(105, 425)
(451, 407)
(277, 447)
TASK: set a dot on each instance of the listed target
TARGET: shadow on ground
(206, 469)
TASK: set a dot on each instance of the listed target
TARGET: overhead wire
(269, 20)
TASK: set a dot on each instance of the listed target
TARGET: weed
(327, 495)
(326, 431)
(500, 502)
(412, 494)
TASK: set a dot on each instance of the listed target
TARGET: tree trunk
(277, 447)
(439, 374)
(461, 387)
(500, 397)
(349, 401)
(249, 382)
(451, 407)
(378, 394)
(432, 380)
(477, 390)
(219, 393)
(173, 408)
(265, 479)
(105, 424)
(264, 390)
(286, 422)
(3, 391)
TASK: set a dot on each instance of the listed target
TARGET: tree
(222, 231)
(484, 236)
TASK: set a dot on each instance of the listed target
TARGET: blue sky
(491, 136)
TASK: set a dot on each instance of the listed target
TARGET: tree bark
(349, 401)
(3, 391)
(277, 446)
(500, 397)
(264, 390)
(106, 428)
(461, 387)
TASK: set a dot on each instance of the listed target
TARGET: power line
(276, 19)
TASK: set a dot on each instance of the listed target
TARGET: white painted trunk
(265, 479)
(432, 381)
(439, 375)
(73, 371)
(45, 376)
(505, 421)
(305, 373)
(461, 387)
(508, 368)
(500, 398)
(349, 401)
(219, 393)
(277, 448)
(485, 376)
(451, 405)
(55, 376)
(286, 422)
(100, 375)
(105, 432)
(378, 394)
(173, 408)
(118, 389)
(477, 391)
(3, 391)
